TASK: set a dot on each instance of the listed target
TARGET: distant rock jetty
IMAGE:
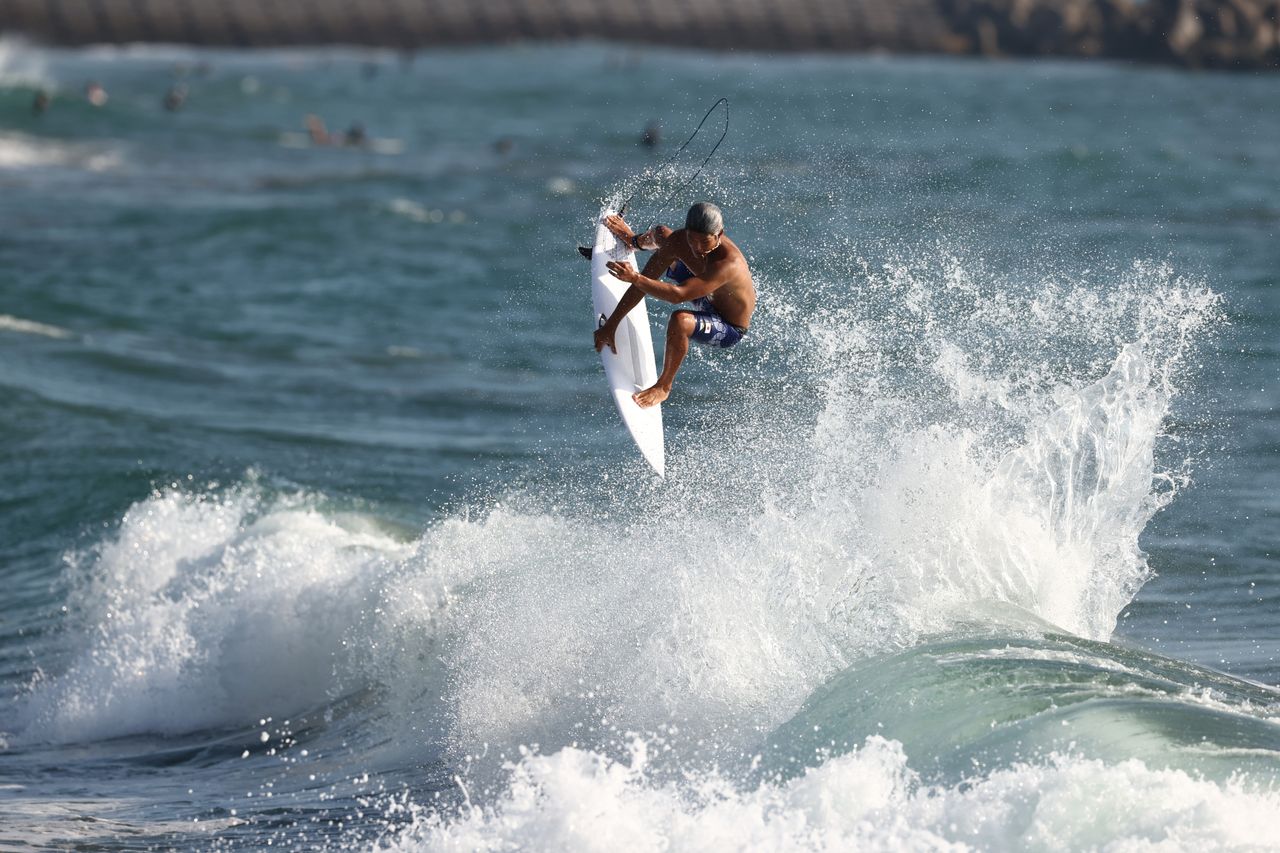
(1228, 34)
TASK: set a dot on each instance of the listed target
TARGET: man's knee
(683, 322)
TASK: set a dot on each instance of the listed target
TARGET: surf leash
(622, 210)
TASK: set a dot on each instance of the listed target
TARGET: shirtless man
(705, 268)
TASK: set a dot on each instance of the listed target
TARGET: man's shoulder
(733, 255)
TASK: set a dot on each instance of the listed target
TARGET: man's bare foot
(651, 396)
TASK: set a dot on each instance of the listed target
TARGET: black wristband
(635, 242)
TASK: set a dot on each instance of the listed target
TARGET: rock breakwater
(1229, 34)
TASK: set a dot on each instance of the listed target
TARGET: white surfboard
(632, 368)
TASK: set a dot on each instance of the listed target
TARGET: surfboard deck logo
(633, 367)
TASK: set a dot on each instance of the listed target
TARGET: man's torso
(735, 299)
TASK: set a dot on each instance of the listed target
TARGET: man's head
(704, 225)
(705, 218)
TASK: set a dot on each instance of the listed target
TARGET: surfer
(705, 268)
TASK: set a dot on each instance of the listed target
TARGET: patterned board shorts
(711, 329)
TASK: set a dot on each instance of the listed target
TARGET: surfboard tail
(653, 452)
(655, 456)
(645, 429)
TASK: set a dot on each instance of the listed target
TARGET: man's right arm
(658, 262)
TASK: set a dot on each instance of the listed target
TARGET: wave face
(936, 488)
(934, 544)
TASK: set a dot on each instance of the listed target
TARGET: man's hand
(623, 271)
(620, 228)
(604, 337)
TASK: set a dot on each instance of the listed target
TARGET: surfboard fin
(585, 252)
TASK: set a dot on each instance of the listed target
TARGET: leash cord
(622, 210)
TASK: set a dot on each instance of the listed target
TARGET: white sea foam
(23, 65)
(19, 151)
(907, 518)
(414, 211)
(30, 327)
(869, 799)
(940, 482)
(976, 450)
(958, 462)
(206, 611)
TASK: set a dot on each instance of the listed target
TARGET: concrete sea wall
(1236, 34)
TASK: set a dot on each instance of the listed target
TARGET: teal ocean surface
(319, 531)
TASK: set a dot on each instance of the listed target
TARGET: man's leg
(679, 330)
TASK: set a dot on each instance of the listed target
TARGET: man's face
(702, 244)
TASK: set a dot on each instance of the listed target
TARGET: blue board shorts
(710, 329)
(679, 273)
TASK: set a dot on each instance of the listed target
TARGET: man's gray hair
(705, 218)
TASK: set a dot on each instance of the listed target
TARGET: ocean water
(318, 531)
